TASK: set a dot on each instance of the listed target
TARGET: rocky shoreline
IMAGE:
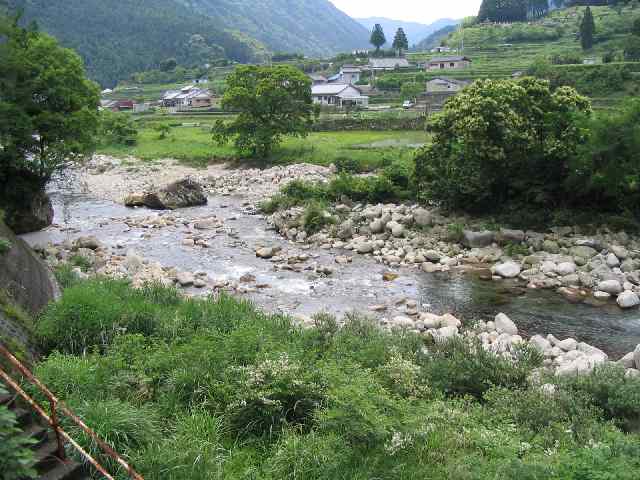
(596, 268)
(583, 268)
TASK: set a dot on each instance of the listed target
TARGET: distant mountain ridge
(416, 32)
(119, 37)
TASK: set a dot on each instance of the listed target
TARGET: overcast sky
(422, 11)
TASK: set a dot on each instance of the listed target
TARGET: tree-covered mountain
(119, 37)
(415, 32)
(314, 27)
(435, 38)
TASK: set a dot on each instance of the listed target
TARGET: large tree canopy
(48, 108)
(378, 38)
(272, 102)
(502, 142)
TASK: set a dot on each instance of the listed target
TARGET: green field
(194, 145)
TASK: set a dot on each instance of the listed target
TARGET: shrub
(117, 128)
(315, 218)
(488, 130)
(163, 130)
(5, 246)
(606, 171)
(16, 457)
(609, 389)
(121, 425)
(347, 165)
(66, 276)
(463, 367)
(81, 261)
(92, 313)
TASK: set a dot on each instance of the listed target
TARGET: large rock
(24, 276)
(583, 251)
(636, 357)
(30, 216)
(505, 325)
(422, 217)
(508, 269)
(472, 239)
(612, 287)
(628, 299)
(511, 236)
(180, 194)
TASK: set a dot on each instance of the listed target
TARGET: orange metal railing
(56, 408)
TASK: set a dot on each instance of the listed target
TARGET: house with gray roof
(448, 63)
(338, 95)
(388, 64)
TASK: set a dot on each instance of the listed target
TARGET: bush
(93, 313)
(16, 457)
(609, 390)
(117, 128)
(315, 218)
(464, 367)
(5, 246)
(606, 171)
(487, 131)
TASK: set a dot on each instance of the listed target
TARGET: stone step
(46, 456)
(65, 471)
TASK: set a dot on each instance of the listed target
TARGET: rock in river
(628, 300)
(508, 269)
(180, 194)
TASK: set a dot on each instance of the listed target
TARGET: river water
(353, 287)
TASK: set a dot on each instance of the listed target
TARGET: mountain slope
(435, 38)
(119, 37)
(416, 32)
(314, 27)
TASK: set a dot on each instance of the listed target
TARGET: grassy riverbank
(208, 389)
(194, 145)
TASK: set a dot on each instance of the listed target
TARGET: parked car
(408, 104)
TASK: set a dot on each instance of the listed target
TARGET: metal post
(55, 424)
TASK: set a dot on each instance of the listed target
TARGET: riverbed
(357, 286)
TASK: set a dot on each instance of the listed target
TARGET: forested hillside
(314, 27)
(435, 38)
(119, 37)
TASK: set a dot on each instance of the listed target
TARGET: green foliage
(315, 218)
(16, 457)
(411, 91)
(272, 101)
(461, 367)
(117, 128)
(93, 313)
(168, 65)
(221, 390)
(163, 129)
(495, 127)
(44, 91)
(5, 246)
(606, 169)
(65, 275)
(378, 38)
(587, 30)
(632, 49)
(81, 261)
(400, 41)
(155, 30)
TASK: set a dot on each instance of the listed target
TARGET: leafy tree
(48, 111)
(400, 42)
(117, 128)
(501, 142)
(272, 102)
(587, 30)
(168, 65)
(378, 38)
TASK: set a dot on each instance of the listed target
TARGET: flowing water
(353, 287)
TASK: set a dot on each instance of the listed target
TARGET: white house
(338, 95)
(187, 97)
(443, 84)
(388, 64)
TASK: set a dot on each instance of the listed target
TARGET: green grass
(194, 145)
(215, 389)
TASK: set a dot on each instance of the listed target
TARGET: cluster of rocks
(501, 336)
(591, 268)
